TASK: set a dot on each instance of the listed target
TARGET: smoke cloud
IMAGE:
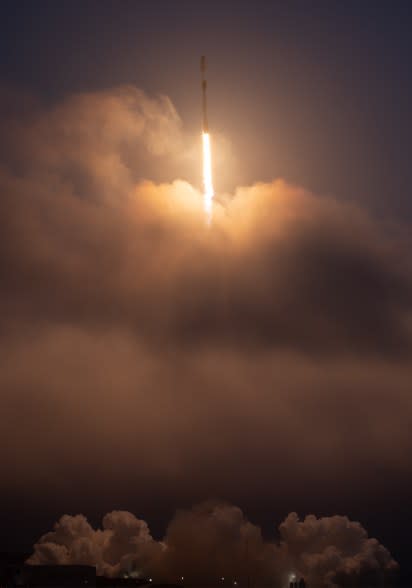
(122, 545)
(281, 268)
(142, 350)
(214, 544)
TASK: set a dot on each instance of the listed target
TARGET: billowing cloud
(82, 243)
(333, 551)
(124, 544)
(141, 352)
(214, 544)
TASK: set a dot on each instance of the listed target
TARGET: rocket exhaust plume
(208, 191)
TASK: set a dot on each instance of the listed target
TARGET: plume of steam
(214, 540)
(106, 241)
(112, 288)
(123, 544)
(333, 551)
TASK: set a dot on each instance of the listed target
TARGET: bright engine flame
(208, 192)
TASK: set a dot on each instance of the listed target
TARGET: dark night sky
(298, 343)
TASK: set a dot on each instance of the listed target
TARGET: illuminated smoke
(214, 540)
(207, 176)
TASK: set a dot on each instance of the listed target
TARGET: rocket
(208, 192)
(204, 86)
